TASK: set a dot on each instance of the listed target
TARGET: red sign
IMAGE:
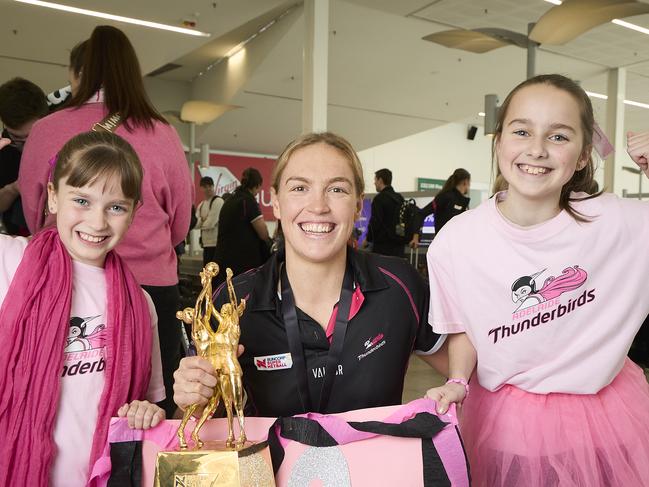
(226, 171)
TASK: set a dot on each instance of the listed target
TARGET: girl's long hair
(454, 179)
(110, 63)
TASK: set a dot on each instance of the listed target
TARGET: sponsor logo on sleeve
(274, 362)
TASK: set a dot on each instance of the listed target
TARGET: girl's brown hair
(90, 156)
(581, 180)
(110, 62)
(333, 140)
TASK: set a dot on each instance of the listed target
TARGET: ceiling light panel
(116, 18)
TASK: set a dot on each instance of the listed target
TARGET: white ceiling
(384, 81)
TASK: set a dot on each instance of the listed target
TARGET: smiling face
(541, 144)
(317, 203)
(91, 220)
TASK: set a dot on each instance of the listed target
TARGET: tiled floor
(421, 377)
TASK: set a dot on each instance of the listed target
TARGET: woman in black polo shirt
(243, 242)
(451, 200)
(326, 328)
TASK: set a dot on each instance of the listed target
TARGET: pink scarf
(34, 323)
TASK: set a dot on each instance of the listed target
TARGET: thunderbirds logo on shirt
(372, 345)
(84, 335)
(540, 305)
(85, 346)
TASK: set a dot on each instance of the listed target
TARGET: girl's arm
(439, 359)
(462, 361)
(638, 149)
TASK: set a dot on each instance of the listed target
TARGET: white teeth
(317, 227)
(90, 238)
(533, 169)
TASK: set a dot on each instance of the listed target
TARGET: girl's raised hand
(141, 415)
(445, 395)
(638, 149)
(4, 142)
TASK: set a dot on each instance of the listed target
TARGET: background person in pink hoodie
(111, 82)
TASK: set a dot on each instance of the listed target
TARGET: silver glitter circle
(327, 464)
(255, 471)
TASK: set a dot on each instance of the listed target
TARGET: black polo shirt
(448, 205)
(389, 321)
(238, 246)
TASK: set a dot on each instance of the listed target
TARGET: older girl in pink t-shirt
(77, 330)
(546, 301)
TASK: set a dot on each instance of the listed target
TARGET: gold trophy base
(216, 465)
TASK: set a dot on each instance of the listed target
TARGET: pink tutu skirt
(515, 438)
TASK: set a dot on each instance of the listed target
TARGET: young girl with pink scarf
(79, 333)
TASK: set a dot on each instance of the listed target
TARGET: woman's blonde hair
(333, 140)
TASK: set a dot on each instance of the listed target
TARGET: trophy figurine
(220, 348)
(237, 462)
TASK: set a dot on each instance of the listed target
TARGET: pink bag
(395, 445)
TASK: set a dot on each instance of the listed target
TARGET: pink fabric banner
(360, 458)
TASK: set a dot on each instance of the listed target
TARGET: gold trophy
(216, 463)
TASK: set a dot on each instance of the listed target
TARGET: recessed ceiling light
(480, 114)
(626, 102)
(117, 18)
(631, 26)
(596, 95)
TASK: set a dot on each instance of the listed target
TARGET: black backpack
(405, 219)
(213, 198)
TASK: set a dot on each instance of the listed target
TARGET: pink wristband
(462, 382)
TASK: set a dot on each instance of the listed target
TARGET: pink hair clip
(52, 163)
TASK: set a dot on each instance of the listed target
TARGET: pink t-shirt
(549, 308)
(84, 364)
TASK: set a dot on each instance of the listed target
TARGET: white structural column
(192, 145)
(205, 155)
(616, 91)
(315, 66)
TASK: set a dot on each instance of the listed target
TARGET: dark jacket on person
(13, 219)
(445, 206)
(238, 246)
(381, 228)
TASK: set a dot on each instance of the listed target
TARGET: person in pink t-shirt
(79, 333)
(544, 305)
